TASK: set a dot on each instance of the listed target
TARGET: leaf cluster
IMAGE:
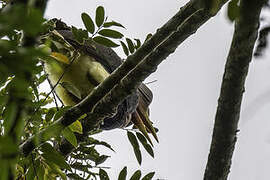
(133, 139)
(101, 32)
(135, 176)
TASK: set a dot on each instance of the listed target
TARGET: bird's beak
(60, 57)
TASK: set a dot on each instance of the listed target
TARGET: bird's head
(54, 61)
(59, 52)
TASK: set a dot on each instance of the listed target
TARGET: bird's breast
(83, 74)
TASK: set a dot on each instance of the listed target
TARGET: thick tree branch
(188, 20)
(232, 89)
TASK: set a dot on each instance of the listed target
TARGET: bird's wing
(72, 90)
(104, 55)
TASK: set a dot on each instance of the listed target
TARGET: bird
(75, 69)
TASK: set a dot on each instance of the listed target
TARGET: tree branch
(188, 20)
(232, 89)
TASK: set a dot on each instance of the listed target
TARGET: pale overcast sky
(185, 94)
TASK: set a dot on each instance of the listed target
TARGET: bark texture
(232, 89)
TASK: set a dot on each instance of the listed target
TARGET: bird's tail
(140, 117)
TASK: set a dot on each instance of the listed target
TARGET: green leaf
(105, 41)
(141, 138)
(138, 155)
(30, 173)
(76, 127)
(146, 146)
(49, 115)
(80, 166)
(101, 159)
(71, 89)
(40, 172)
(7, 146)
(35, 88)
(113, 23)
(91, 141)
(70, 136)
(3, 75)
(134, 142)
(56, 169)
(19, 169)
(38, 69)
(79, 156)
(103, 175)
(123, 174)
(60, 113)
(3, 100)
(110, 33)
(51, 155)
(130, 45)
(149, 176)
(88, 23)
(138, 43)
(79, 34)
(125, 48)
(76, 34)
(74, 176)
(136, 175)
(100, 16)
(92, 174)
(149, 149)
(36, 119)
(9, 115)
(148, 36)
(83, 33)
(42, 78)
(233, 10)
(89, 152)
(4, 170)
(29, 22)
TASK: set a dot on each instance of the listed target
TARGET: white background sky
(185, 94)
